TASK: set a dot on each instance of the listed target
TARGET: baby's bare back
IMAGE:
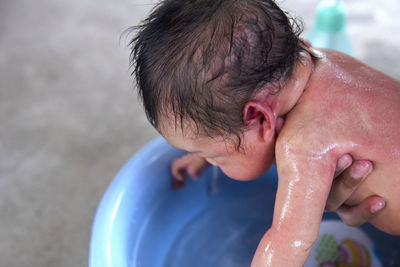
(352, 108)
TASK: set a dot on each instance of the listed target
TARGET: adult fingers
(357, 215)
(346, 182)
(342, 164)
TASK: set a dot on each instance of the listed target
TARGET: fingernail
(341, 164)
(360, 169)
(377, 207)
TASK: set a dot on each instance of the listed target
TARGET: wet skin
(333, 107)
(347, 108)
(350, 108)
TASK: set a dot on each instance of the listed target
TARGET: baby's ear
(260, 117)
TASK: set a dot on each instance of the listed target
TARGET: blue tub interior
(213, 221)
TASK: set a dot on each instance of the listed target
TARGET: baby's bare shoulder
(348, 107)
(307, 137)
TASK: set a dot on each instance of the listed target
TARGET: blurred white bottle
(329, 29)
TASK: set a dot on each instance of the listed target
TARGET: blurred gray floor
(70, 118)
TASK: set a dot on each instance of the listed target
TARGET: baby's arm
(305, 178)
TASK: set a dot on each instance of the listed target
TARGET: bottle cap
(331, 16)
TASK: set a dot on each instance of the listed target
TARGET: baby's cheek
(212, 162)
(239, 173)
(231, 172)
(244, 169)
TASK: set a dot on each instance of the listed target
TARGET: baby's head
(198, 63)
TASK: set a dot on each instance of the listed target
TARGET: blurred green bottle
(329, 29)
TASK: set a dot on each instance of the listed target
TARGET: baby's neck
(283, 102)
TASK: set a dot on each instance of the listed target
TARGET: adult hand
(348, 176)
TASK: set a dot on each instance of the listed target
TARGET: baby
(218, 77)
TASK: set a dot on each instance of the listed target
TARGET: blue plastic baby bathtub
(213, 221)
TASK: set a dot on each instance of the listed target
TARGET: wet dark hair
(203, 60)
